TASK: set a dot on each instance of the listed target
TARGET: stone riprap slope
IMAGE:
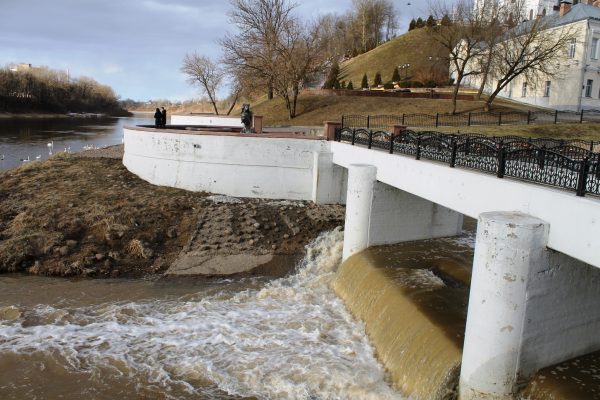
(86, 215)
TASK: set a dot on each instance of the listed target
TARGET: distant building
(20, 67)
(578, 86)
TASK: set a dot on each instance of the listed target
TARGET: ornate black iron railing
(571, 165)
(421, 120)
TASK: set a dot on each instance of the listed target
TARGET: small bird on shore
(38, 157)
(25, 159)
(1, 157)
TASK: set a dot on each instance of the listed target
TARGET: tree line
(44, 89)
(277, 53)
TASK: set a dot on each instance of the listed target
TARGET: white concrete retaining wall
(574, 221)
(207, 120)
(243, 166)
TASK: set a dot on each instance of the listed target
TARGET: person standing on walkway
(157, 118)
(164, 117)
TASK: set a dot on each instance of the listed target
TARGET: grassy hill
(314, 110)
(414, 48)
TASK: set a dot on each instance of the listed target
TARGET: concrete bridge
(535, 298)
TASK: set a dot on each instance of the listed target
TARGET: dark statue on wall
(247, 119)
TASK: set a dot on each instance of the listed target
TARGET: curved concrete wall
(259, 166)
(207, 120)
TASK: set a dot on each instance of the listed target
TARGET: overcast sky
(135, 46)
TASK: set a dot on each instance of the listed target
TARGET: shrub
(365, 82)
(388, 85)
(411, 84)
(350, 86)
(332, 76)
(430, 83)
(396, 75)
(377, 80)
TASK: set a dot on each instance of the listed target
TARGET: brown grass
(313, 110)
(585, 131)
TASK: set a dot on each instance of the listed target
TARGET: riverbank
(45, 115)
(85, 215)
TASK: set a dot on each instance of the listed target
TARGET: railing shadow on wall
(470, 119)
(567, 164)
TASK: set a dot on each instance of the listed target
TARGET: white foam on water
(290, 339)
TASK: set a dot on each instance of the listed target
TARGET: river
(289, 338)
(30, 139)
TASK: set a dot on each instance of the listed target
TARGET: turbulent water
(289, 338)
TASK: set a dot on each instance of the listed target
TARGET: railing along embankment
(566, 164)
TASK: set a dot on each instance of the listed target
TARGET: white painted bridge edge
(574, 221)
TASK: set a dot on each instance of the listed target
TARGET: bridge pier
(529, 307)
(378, 214)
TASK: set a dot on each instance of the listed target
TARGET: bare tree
(299, 54)
(533, 50)
(202, 71)
(260, 24)
(461, 39)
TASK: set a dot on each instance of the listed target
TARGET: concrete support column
(508, 247)
(327, 179)
(361, 183)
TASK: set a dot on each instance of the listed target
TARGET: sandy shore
(84, 214)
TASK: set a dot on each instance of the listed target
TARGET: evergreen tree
(332, 76)
(396, 75)
(350, 86)
(412, 25)
(430, 22)
(420, 22)
(336, 84)
(365, 82)
(377, 81)
(446, 21)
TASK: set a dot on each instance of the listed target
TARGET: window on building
(594, 51)
(524, 90)
(547, 89)
(588, 88)
(572, 47)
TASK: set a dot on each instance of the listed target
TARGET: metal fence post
(368, 121)
(437, 119)
(556, 116)
(584, 167)
(500, 118)
(370, 138)
(343, 126)
(581, 117)
(467, 143)
(453, 156)
(501, 161)
(528, 117)
(392, 143)
(469, 120)
(418, 155)
(402, 118)
(542, 157)
(353, 136)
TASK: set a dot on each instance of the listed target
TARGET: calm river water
(22, 139)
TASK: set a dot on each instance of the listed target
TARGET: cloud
(110, 69)
(179, 9)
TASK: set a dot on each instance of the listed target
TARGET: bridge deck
(574, 221)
